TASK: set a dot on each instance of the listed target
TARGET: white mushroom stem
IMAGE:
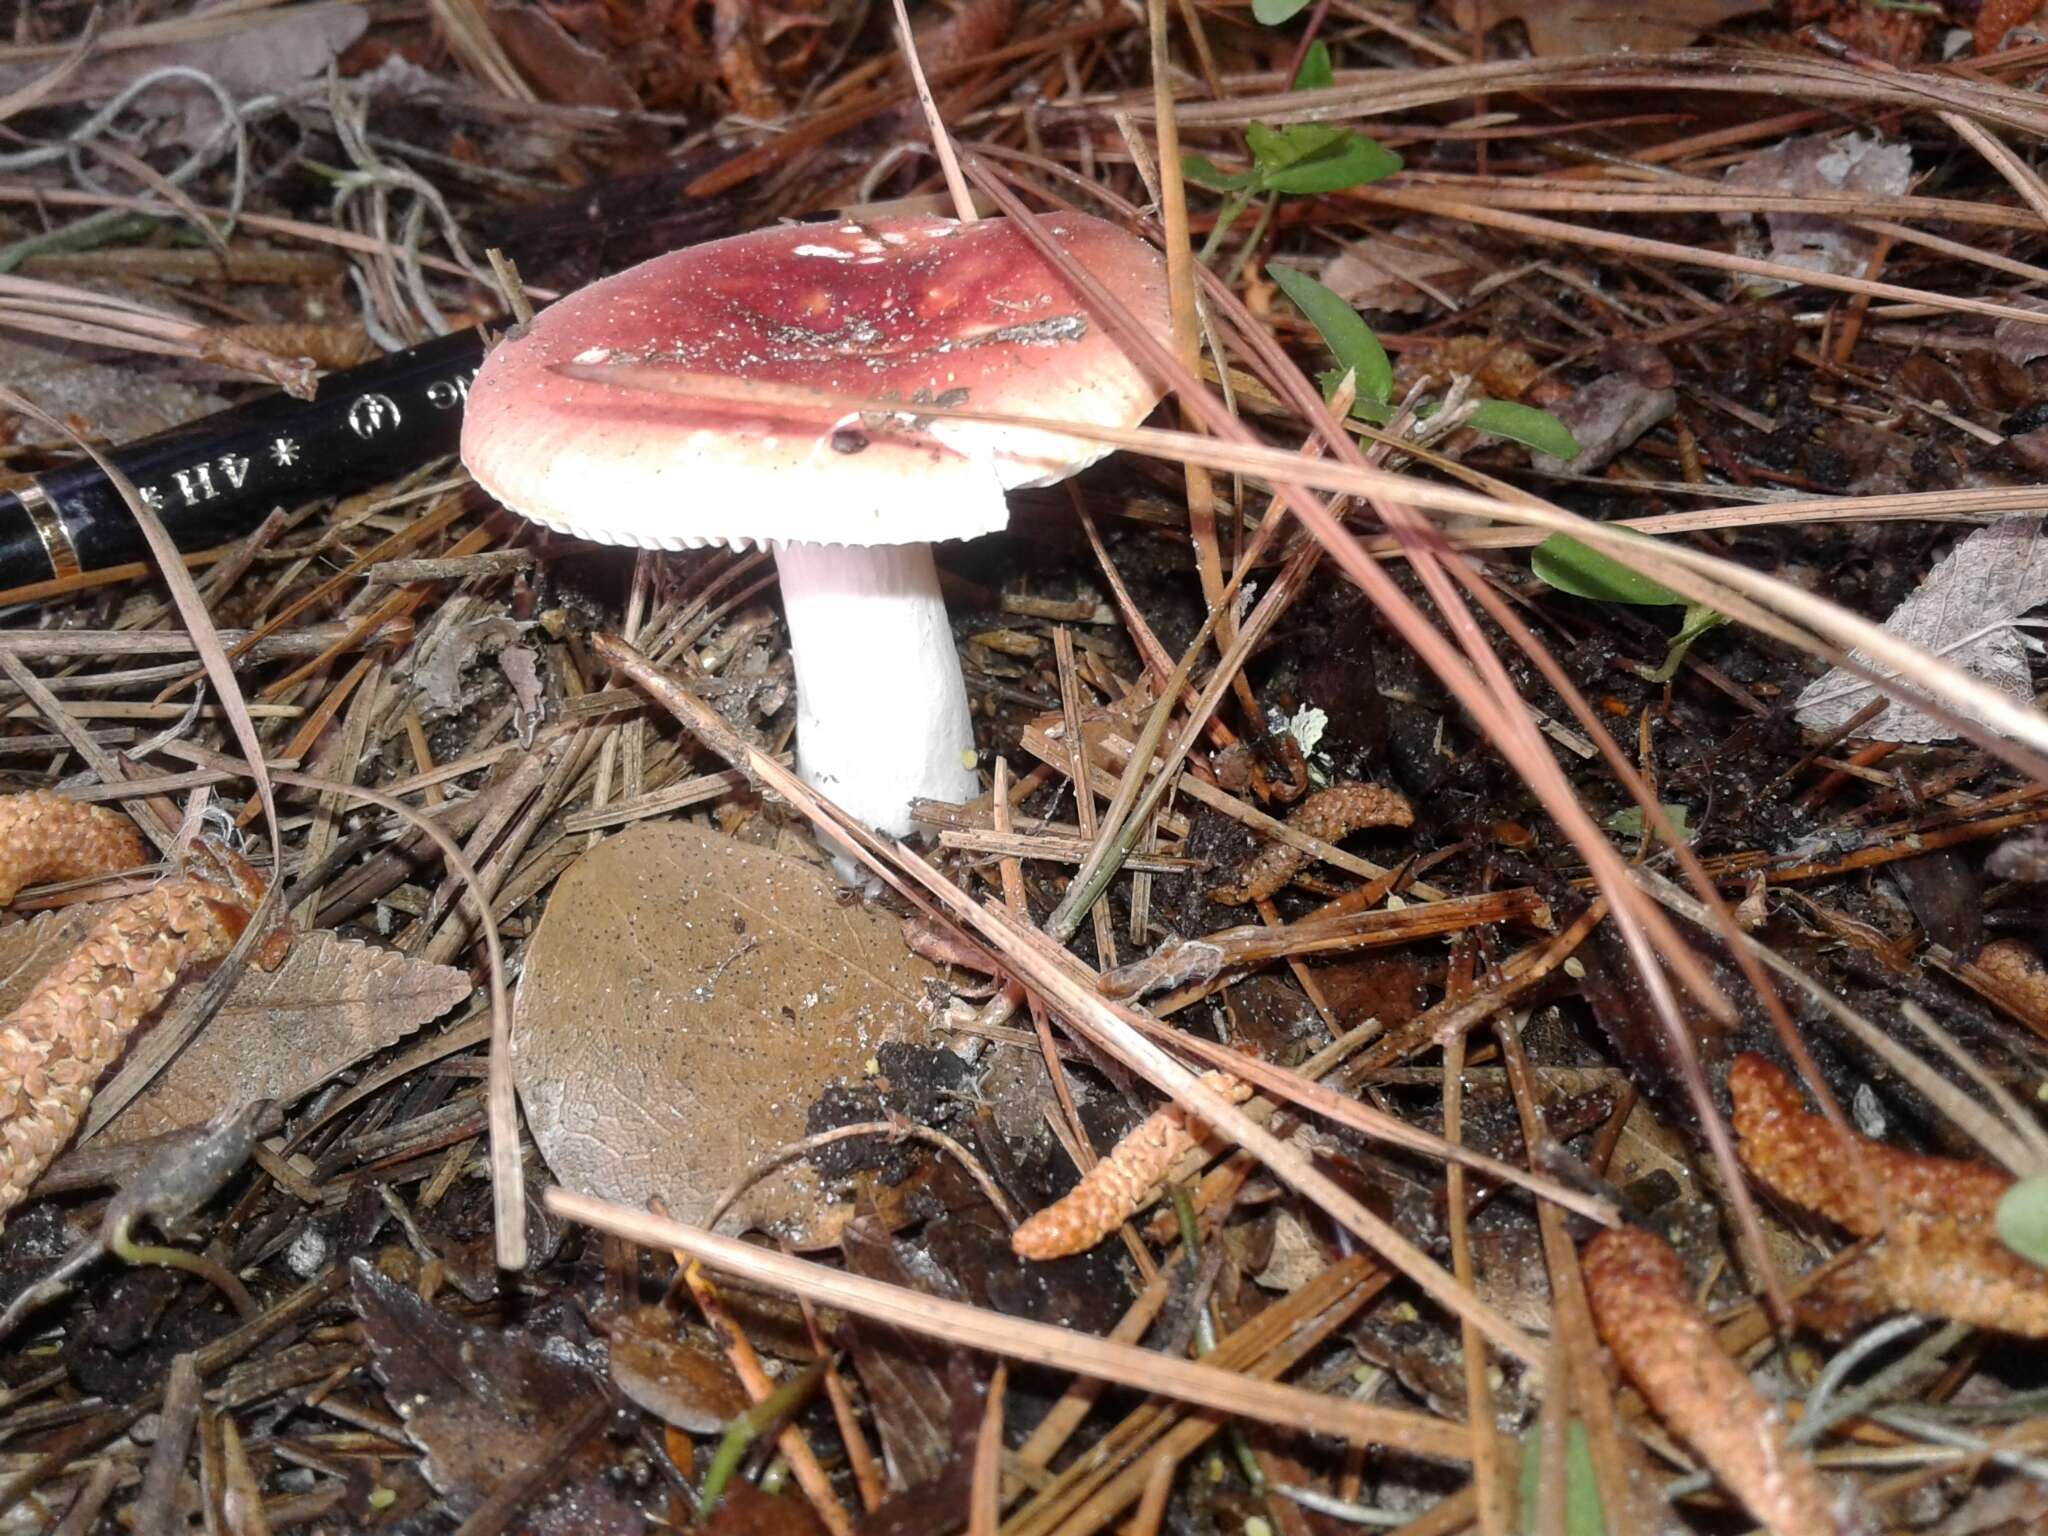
(881, 707)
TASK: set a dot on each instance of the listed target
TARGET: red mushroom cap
(919, 309)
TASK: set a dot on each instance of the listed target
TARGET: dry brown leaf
(1606, 417)
(483, 1401)
(1399, 274)
(744, 1510)
(563, 69)
(924, 1395)
(246, 52)
(1823, 165)
(1970, 612)
(331, 1004)
(1564, 28)
(685, 998)
(680, 1379)
(2021, 341)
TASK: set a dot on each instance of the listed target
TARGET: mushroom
(921, 309)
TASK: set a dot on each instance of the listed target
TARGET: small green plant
(742, 1432)
(1524, 424)
(1359, 354)
(1294, 159)
(1274, 13)
(1560, 561)
(1315, 71)
(1349, 338)
(1629, 823)
(1583, 1512)
(1564, 563)
(2023, 1219)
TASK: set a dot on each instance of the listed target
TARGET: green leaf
(1315, 71)
(1342, 331)
(1570, 566)
(1563, 562)
(1357, 163)
(1583, 1515)
(1629, 823)
(1274, 149)
(1526, 425)
(1378, 412)
(1271, 13)
(2023, 1219)
(1204, 172)
(1699, 618)
(1305, 159)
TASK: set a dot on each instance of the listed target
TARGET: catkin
(47, 837)
(1330, 815)
(1636, 1288)
(69, 1030)
(1937, 1215)
(1110, 1193)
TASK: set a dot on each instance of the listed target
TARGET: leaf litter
(659, 1048)
(403, 649)
(1971, 611)
(281, 1034)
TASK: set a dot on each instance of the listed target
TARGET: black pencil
(215, 479)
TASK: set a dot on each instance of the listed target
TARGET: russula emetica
(919, 309)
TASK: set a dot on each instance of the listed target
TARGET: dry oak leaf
(685, 998)
(1636, 1287)
(1967, 612)
(1569, 28)
(1941, 1252)
(334, 1002)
